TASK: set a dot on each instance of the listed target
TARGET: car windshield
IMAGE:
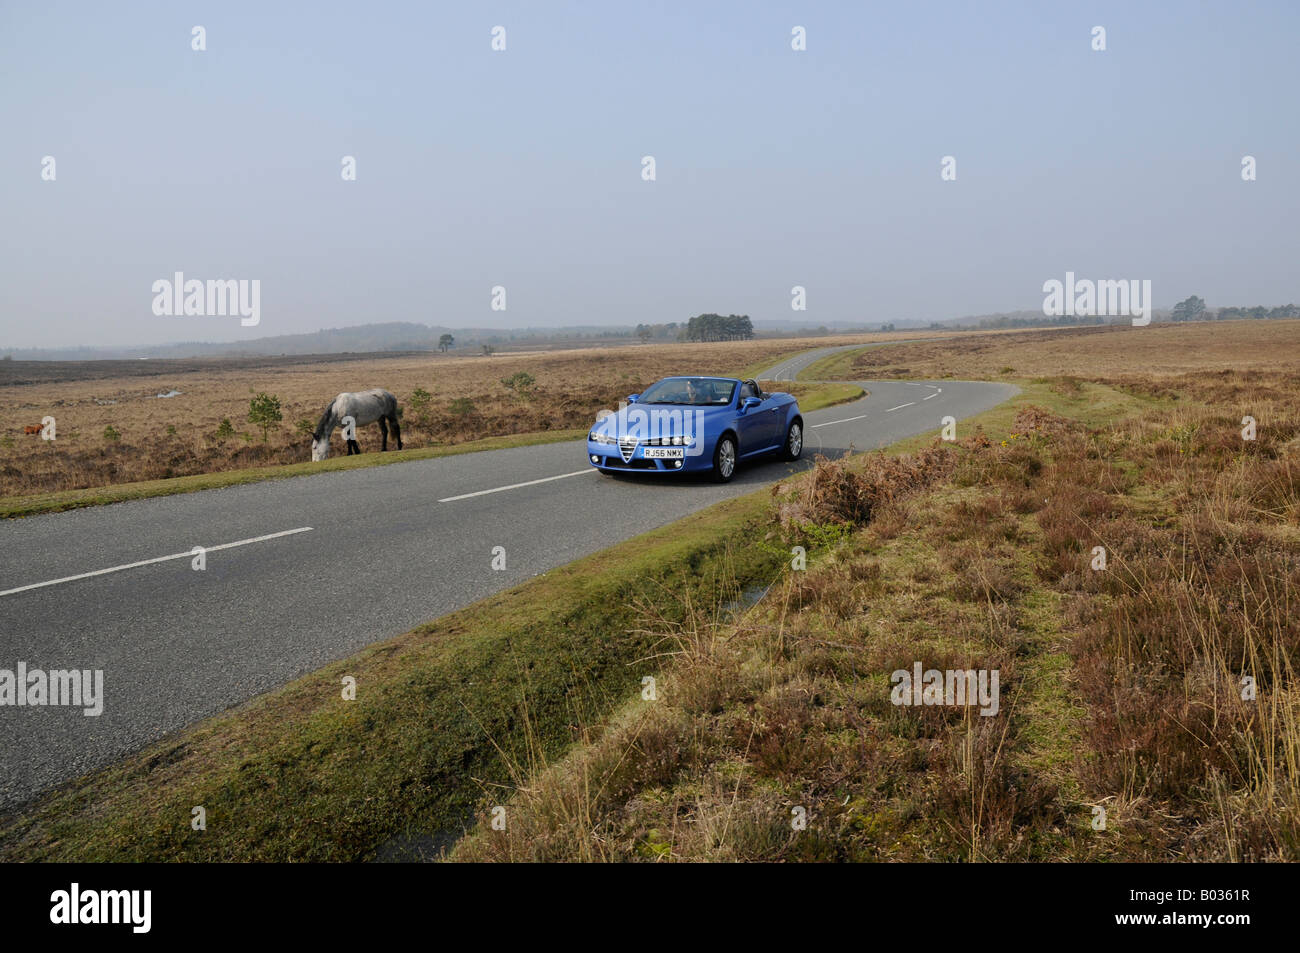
(692, 391)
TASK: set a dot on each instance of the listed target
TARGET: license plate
(664, 453)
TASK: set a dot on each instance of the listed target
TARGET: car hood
(644, 418)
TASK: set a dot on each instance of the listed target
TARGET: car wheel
(794, 441)
(724, 459)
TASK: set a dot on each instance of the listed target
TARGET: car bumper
(607, 457)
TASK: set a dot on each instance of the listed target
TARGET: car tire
(793, 441)
(724, 459)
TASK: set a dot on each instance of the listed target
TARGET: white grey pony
(364, 407)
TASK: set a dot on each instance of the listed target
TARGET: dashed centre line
(844, 421)
(514, 486)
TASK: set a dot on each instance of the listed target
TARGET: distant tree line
(1259, 311)
(657, 332)
(1194, 309)
(715, 327)
(1029, 320)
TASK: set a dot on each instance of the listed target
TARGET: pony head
(320, 449)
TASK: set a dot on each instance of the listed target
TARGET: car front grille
(630, 464)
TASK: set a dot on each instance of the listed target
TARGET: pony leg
(397, 430)
(383, 429)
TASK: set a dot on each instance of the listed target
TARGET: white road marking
(935, 394)
(899, 407)
(159, 559)
(514, 486)
(844, 421)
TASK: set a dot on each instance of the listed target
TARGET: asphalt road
(388, 548)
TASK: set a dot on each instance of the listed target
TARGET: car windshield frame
(676, 395)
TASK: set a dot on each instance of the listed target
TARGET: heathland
(1120, 542)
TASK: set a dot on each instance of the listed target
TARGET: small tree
(111, 434)
(445, 342)
(305, 427)
(224, 431)
(264, 410)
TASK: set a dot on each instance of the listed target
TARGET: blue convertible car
(695, 424)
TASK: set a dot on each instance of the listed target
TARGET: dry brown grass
(1115, 354)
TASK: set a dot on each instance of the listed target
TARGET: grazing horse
(31, 430)
(364, 407)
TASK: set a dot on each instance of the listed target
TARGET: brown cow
(30, 430)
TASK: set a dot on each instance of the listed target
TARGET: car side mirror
(631, 398)
(749, 402)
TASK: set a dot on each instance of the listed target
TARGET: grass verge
(302, 774)
(835, 367)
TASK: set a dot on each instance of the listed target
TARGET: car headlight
(599, 438)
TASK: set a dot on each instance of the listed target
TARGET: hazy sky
(522, 168)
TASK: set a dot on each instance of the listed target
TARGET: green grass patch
(820, 396)
(835, 367)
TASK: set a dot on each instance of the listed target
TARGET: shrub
(835, 492)
(420, 402)
(521, 383)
